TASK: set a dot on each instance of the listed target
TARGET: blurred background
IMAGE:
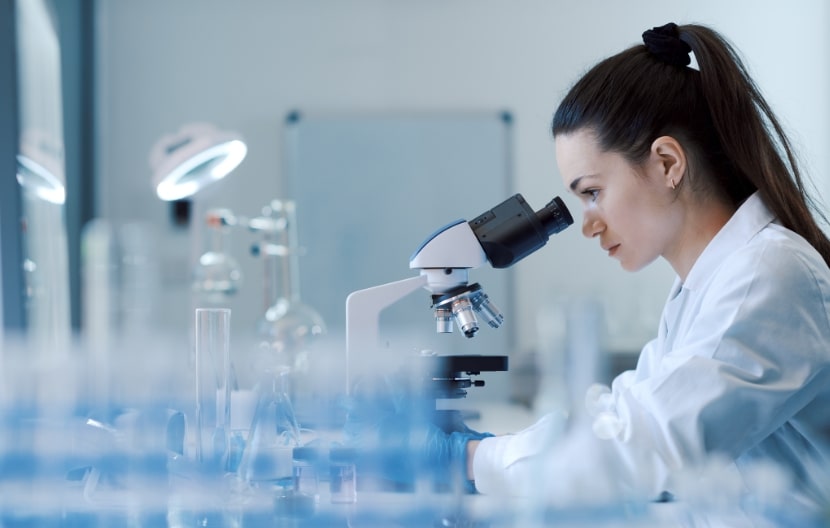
(151, 332)
(381, 120)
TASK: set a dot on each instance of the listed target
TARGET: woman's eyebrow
(575, 182)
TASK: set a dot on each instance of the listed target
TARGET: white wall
(244, 64)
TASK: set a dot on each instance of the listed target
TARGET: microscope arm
(363, 308)
(443, 260)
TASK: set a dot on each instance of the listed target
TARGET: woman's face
(628, 208)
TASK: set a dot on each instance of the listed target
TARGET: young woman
(688, 163)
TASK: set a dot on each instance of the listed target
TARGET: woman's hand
(400, 437)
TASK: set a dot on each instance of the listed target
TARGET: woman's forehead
(578, 154)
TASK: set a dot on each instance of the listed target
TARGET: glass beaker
(342, 478)
(306, 464)
(212, 383)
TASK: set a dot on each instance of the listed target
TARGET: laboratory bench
(57, 485)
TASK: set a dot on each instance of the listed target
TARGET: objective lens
(464, 316)
(483, 305)
(443, 320)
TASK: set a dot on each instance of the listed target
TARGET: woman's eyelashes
(590, 193)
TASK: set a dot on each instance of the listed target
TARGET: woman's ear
(669, 160)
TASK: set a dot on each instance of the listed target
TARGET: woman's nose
(591, 225)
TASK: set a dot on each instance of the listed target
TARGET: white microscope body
(501, 236)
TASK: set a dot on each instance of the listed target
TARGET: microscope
(501, 236)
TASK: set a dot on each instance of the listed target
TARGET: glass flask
(268, 457)
(288, 328)
(217, 274)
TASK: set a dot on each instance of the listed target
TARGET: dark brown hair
(716, 112)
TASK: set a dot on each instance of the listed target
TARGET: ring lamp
(188, 161)
(40, 167)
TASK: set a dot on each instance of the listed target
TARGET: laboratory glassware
(306, 480)
(343, 476)
(213, 376)
(267, 461)
(289, 328)
(217, 274)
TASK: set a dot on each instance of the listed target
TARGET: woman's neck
(702, 220)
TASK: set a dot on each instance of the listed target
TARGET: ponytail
(752, 137)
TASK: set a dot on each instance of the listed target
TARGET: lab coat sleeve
(540, 462)
(503, 464)
(744, 365)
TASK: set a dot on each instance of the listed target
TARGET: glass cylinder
(342, 476)
(213, 374)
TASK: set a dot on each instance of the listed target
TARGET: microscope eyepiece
(512, 230)
(554, 216)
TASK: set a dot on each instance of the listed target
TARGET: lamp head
(196, 156)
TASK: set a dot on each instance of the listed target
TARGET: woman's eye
(592, 193)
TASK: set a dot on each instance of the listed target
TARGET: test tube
(212, 383)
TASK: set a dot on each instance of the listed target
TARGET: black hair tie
(664, 43)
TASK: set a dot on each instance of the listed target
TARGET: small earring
(673, 186)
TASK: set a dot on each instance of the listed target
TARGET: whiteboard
(370, 188)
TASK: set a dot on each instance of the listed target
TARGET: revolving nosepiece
(464, 305)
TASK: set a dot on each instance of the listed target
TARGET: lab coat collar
(750, 218)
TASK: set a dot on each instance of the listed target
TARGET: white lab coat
(740, 369)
